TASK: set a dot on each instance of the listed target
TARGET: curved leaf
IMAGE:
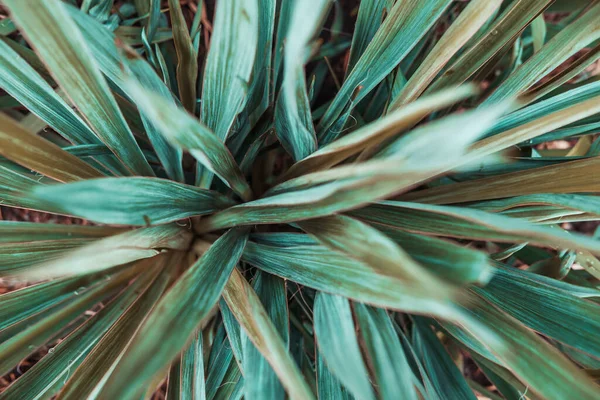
(130, 201)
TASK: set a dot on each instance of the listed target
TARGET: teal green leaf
(469, 223)
(20, 304)
(545, 308)
(415, 153)
(329, 386)
(450, 261)
(234, 332)
(23, 83)
(19, 232)
(111, 63)
(468, 23)
(260, 379)
(392, 371)
(261, 88)
(569, 177)
(570, 40)
(234, 44)
(405, 24)
(505, 28)
(248, 310)
(544, 107)
(368, 245)
(446, 378)
(323, 269)
(90, 376)
(185, 131)
(533, 360)
(130, 201)
(108, 252)
(51, 372)
(14, 257)
(338, 345)
(35, 335)
(56, 38)
(192, 371)
(293, 120)
(187, 302)
(350, 186)
(377, 132)
(370, 16)
(221, 358)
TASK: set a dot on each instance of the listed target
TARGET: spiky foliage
(258, 233)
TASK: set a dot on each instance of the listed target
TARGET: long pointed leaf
(130, 201)
(187, 302)
(248, 310)
(56, 38)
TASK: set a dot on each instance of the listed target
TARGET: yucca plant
(279, 208)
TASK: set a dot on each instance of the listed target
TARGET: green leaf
(27, 232)
(130, 201)
(184, 306)
(233, 384)
(539, 365)
(392, 371)
(371, 14)
(187, 58)
(323, 269)
(377, 132)
(335, 334)
(229, 63)
(58, 41)
(132, 35)
(446, 378)
(505, 29)
(261, 90)
(448, 260)
(109, 252)
(14, 257)
(469, 223)
(47, 376)
(545, 308)
(192, 371)
(293, 120)
(358, 240)
(405, 24)
(506, 383)
(38, 154)
(20, 304)
(545, 107)
(185, 131)
(32, 336)
(329, 386)
(576, 202)
(468, 23)
(90, 376)
(415, 153)
(353, 185)
(30, 89)
(153, 19)
(534, 127)
(221, 358)
(173, 390)
(259, 377)
(102, 43)
(567, 42)
(248, 310)
(235, 336)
